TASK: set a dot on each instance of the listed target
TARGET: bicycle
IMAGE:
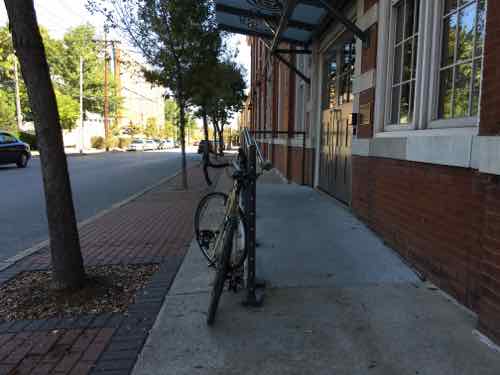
(224, 244)
(211, 214)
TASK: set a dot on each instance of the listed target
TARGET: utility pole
(18, 97)
(106, 80)
(118, 81)
(82, 136)
(106, 90)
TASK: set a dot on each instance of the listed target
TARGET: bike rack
(254, 297)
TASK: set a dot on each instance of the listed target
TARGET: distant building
(140, 99)
(93, 126)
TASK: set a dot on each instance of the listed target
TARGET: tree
(229, 95)
(7, 112)
(151, 130)
(171, 34)
(69, 110)
(171, 119)
(77, 42)
(67, 262)
(133, 129)
(219, 86)
(63, 57)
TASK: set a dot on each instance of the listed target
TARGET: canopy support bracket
(351, 26)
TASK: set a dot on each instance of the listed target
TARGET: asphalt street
(98, 181)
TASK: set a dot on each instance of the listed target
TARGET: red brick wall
(369, 54)
(489, 306)
(367, 97)
(490, 97)
(444, 220)
(288, 161)
(295, 168)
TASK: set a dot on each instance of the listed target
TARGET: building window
(339, 71)
(461, 58)
(405, 16)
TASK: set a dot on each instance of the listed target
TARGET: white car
(166, 144)
(149, 145)
(137, 145)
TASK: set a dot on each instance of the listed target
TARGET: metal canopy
(293, 21)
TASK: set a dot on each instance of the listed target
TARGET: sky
(60, 15)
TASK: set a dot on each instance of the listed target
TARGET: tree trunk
(182, 120)
(215, 148)
(221, 139)
(206, 148)
(67, 262)
(205, 125)
(218, 150)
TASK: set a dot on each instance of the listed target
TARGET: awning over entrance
(292, 21)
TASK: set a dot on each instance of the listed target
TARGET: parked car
(136, 145)
(149, 145)
(166, 144)
(158, 143)
(13, 151)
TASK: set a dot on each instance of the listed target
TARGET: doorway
(337, 125)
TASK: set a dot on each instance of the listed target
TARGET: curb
(78, 154)
(30, 251)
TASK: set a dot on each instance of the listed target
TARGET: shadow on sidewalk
(339, 302)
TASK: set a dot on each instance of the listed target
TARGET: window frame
(427, 84)
(433, 120)
(413, 125)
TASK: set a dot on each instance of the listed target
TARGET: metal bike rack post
(254, 297)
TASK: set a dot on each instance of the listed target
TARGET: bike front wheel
(222, 270)
(208, 223)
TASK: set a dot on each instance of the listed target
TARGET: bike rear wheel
(221, 273)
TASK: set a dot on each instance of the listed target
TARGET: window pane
(415, 54)
(404, 108)
(398, 11)
(481, 22)
(395, 106)
(410, 14)
(417, 14)
(412, 101)
(408, 60)
(449, 5)
(445, 97)
(397, 64)
(333, 93)
(463, 76)
(467, 17)
(449, 37)
(476, 87)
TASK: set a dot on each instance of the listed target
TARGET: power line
(138, 94)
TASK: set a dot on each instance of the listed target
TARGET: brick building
(400, 105)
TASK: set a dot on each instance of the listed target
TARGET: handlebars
(208, 163)
(265, 165)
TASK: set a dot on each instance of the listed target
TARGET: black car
(13, 151)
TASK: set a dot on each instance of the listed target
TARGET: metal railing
(253, 156)
(295, 139)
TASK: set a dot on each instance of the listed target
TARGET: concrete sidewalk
(338, 302)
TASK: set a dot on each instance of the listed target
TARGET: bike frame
(231, 214)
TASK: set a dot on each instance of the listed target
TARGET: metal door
(337, 126)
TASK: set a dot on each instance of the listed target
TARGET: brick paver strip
(154, 228)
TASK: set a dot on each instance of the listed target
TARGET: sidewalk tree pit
(111, 288)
